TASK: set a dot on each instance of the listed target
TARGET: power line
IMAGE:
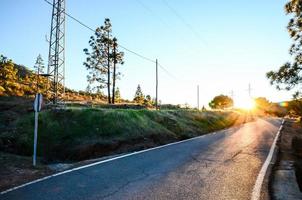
(152, 12)
(168, 73)
(189, 26)
(168, 26)
(123, 47)
(137, 54)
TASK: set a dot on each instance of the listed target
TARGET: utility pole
(56, 56)
(156, 98)
(250, 90)
(198, 97)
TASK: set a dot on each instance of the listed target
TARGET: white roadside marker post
(37, 109)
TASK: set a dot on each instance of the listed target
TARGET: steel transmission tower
(56, 57)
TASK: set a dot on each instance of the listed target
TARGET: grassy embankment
(83, 134)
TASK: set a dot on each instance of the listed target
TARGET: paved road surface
(224, 165)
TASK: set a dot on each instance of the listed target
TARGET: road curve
(217, 166)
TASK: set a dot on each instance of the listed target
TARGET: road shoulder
(285, 173)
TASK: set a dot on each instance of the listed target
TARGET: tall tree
(139, 96)
(221, 102)
(102, 58)
(107, 28)
(117, 59)
(96, 60)
(289, 75)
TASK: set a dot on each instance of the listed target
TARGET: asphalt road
(223, 165)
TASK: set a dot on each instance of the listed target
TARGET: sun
(247, 104)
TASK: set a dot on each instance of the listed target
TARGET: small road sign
(38, 102)
(37, 108)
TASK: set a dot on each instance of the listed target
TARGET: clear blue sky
(220, 45)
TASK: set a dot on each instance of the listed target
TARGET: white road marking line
(258, 184)
(110, 159)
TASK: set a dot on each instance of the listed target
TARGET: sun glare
(247, 104)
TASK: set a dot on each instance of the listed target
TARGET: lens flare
(283, 104)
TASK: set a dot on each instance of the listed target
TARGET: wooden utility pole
(156, 98)
(114, 70)
(198, 97)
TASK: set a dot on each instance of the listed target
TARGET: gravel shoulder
(286, 173)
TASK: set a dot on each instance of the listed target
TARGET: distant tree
(3, 59)
(139, 96)
(221, 102)
(203, 109)
(277, 110)
(39, 68)
(117, 95)
(148, 101)
(262, 103)
(289, 75)
(39, 65)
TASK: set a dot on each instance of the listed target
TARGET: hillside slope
(89, 133)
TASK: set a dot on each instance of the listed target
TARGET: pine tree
(96, 60)
(117, 95)
(139, 96)
(107, 28)
(117, 59)
(39, 67)
(102, 58)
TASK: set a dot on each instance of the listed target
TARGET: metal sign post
(37, 109)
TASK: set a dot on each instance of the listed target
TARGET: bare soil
(16, 170)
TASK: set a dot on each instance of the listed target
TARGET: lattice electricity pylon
(56, 57)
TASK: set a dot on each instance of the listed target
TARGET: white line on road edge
(257, 187)
(108, 160)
